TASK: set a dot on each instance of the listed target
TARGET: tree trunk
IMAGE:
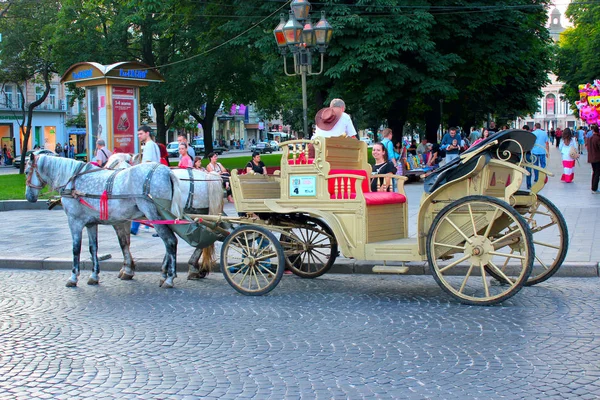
(432, 120)
(161, 130)
(396, 118)
(30, 108)
(207, 125)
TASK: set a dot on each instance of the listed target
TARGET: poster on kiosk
(124, 119)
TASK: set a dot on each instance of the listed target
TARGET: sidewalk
(40, 239)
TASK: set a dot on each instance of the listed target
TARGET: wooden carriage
(468, 229)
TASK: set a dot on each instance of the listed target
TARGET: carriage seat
(450, 172)
(371, 198)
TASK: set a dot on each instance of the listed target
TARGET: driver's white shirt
(151, 152)
(344, 125)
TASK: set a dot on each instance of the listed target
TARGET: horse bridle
(37, 173)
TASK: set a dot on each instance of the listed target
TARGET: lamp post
(299, 37)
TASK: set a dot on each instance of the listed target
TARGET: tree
(27, 54)
(577, 54)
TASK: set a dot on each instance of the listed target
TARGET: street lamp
(299, 37)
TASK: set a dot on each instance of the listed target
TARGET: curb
(20, 205)
(342, 266)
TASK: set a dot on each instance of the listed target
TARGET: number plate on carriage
(303, 185)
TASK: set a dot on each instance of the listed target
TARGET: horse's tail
(176, 207)
(215, 194)
(207, 258)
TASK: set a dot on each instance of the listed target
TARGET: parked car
(367, 140)
(17, 161)
(262, 147)
(275, 145)
(173, 149)
(198, 145)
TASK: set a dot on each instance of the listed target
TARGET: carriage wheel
(472, 235)
(310, 249)
(252, 260)
(550, 239)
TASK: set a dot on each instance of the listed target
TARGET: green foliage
(577, 55)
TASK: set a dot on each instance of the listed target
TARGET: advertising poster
(123, 119)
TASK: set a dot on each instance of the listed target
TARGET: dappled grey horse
(201, 193)
(91, 196)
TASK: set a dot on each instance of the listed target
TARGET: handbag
(573, 153)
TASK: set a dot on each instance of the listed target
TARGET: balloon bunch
(589, 102)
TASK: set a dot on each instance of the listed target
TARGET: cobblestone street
(339, 336)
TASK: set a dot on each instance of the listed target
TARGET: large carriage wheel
(550, 239)
(472, 235)
(310, 249)
(252, 260)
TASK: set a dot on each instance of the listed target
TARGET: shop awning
(76, 131)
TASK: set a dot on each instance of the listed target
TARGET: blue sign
(85, 74)
(133, 73)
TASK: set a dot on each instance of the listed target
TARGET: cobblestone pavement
(336, 337)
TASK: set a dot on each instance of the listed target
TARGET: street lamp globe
(301, 8)
(278, 32)
(292, 31)
(308, 34)
(323, 32)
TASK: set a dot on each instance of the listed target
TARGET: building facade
(553, 112)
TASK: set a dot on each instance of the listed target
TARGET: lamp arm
(321, 70)
(285, 66)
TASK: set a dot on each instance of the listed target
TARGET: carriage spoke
(541, 228)
(447, 267)
(501, 273)
(449, 245)
(489, 228)
(264, 257)
(510, 255)
(484, 280)
(542, 263)
(472, 219)
(464, 283)
(547, 244)
(458, 229)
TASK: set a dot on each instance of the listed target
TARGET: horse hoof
(92, 281)
(194, 276)
(126, 277)
(71, 284)
(120, 274)
(166, 285)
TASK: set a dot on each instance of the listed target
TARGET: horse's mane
(57, 170)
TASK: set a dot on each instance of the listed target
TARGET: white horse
(91, 196)
(201, 193)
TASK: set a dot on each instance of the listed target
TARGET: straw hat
(327, 117)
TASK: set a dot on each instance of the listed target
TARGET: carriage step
(387, 269)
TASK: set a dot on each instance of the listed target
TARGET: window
(38, 92)
(19, 100)
(550, 104)
(52, 98)
(8, 97)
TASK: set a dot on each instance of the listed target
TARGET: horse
(204, 194)
(91, 196)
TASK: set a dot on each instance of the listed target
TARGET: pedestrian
(594, 157)
(242, 143)
(540, 151)
(570, 154)
(102, 153)
(485, 134)
(198, 163)
(333, 121)
(164, 155)
(475, 135)
(450, 144)
(382, 166)
(71, 150)
(66, 150)
(150, 153)
(4, 155)
(181, 138)
(186, 161)
(581, 139)
(58, 149)
(558, 134)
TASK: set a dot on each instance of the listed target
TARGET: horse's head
(34, 182)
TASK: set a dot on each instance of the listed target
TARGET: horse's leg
(123, 234)
(76, 228)
(194, 272)
(170, 260)
(163, 270)
(93, 244)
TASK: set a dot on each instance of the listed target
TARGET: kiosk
(112, 102)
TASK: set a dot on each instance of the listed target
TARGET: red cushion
(299, 161)
(331, 182)
(381, 198)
